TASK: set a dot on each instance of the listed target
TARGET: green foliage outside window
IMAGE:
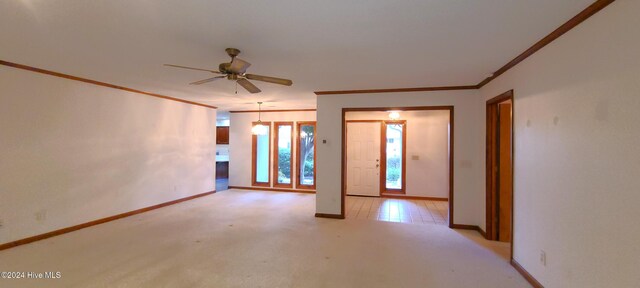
(393, 169)
(284, 164)
(308, 165)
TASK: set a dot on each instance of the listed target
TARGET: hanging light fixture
(394, 115)
(259, 128)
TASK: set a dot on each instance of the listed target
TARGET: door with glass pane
(306, 160)
(261, 149)
(283, 155)
(394, 135)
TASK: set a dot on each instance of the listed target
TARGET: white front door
(363, 158)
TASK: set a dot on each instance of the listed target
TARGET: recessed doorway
(402, 158)
(377, 152)
(499, 193)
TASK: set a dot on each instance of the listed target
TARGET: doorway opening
(500, 151)
(222, 153)
(398, 164)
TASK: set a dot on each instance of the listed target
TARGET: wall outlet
(415, 157)
(543, 258)
(41, 215)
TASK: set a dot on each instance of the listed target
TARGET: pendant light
(394, 115)
(259, 129)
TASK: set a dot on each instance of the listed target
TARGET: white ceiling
(320, 45)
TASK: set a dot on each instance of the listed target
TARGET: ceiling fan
(235, 71)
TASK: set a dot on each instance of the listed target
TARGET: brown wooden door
(222, 135)
(505, 190)
(222, 170)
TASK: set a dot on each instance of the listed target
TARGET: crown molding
(564, 28)
(393, 90)
(266, 111)
(99, 83)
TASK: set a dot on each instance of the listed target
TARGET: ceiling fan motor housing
(232, 52)
(224, 68)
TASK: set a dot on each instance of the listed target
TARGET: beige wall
(468, 145)
(577, 153)
(427, 138)
(240, 141)
(72, 152)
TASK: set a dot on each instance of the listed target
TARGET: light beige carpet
(239, 238)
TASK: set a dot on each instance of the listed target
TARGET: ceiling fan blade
(274, 80)
(248, 85)
(199, 69)
(207, 80)
(239, 66)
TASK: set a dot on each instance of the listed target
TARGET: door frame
(381, 149)
(492, 176)
(383, 159)
(276, 154)
(315, 155)
(254, 152)
(386, 109)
